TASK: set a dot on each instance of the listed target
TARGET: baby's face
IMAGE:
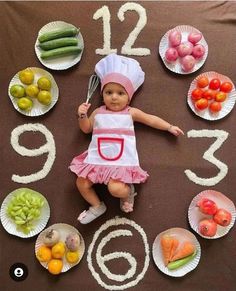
(115, 97)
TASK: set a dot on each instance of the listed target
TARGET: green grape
(25, 208)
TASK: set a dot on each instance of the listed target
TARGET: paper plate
(61, 63)
(182, 235)
(63, 229)
(164, 45)
(227, 105)
(38, 108)
(10, 225)
(195, 216)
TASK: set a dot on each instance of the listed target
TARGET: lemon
(44, 97)
(72, 257)
(25, 103)
(32, 90)
(26, 76)
(44, 254)
(17, 91)
(58, 250)
(44, 83)
(55, 266)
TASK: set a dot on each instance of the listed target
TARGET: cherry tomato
(201, 104)
(203, 82)
(208, 94)
(220, 96)
(196, 94)
(214, 84)
(215, 106)
(226, 87)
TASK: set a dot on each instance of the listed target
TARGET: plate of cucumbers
(59, 45)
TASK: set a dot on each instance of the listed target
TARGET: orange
(55, 266)
(26, 76)
(72, 257)
(58, 250)
(44, 254)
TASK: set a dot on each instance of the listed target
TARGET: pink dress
(112, 153)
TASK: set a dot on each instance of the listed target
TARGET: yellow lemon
(25, 103)
(44, 97)
(32, 90)
(55, 266)
(72, 257)
(26, 76)
(58, 250)
(44, 83)
(44, 254)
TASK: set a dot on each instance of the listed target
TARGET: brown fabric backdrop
(163, 200)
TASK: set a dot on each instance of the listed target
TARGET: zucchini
(58, 33)
(60, 42)
(60, 52)
(181, 262)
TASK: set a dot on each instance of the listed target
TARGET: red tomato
(196, 94)
(214, 84)
(226, 87)
(208, 94)
(220, 96)
(215, 106)
(201, 104)
(202, 82)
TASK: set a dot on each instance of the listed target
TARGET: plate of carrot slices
(176, 252)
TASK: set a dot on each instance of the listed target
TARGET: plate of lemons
(59, 247)
(33, 91)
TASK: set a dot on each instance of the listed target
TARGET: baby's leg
(97, 207)
(123, 191)
(118, 189)
(85, 187)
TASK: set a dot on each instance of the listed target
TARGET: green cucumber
(63, 32)
(60, 52)
(60, 42)
(179, 263)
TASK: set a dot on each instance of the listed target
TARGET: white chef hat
(122, 70)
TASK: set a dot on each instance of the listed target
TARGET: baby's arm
(85, 122)
(154, 121)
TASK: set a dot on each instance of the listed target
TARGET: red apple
(207, 227)
(207, 206)
(222, 217)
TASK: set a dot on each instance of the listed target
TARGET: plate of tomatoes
(211, 96)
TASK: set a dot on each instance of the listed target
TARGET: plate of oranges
(33, 91)
(59, 248)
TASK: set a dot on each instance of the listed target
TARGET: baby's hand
(83, 109)
(175, 130)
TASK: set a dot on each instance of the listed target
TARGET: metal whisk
(93, 83)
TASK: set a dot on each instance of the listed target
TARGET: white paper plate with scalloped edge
(59, 63)
(37, 108)
(38, 224)
(175, 67)
(227, 105)
(181, 235)
(195, 215)
(64, 230)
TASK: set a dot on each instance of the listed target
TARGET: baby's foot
(92, 213)
(127, 204)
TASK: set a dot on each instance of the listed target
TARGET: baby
(112, 157)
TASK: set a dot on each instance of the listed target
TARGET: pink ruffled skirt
(102, 174)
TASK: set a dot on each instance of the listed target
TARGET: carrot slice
(187, 249)
(167, 242)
